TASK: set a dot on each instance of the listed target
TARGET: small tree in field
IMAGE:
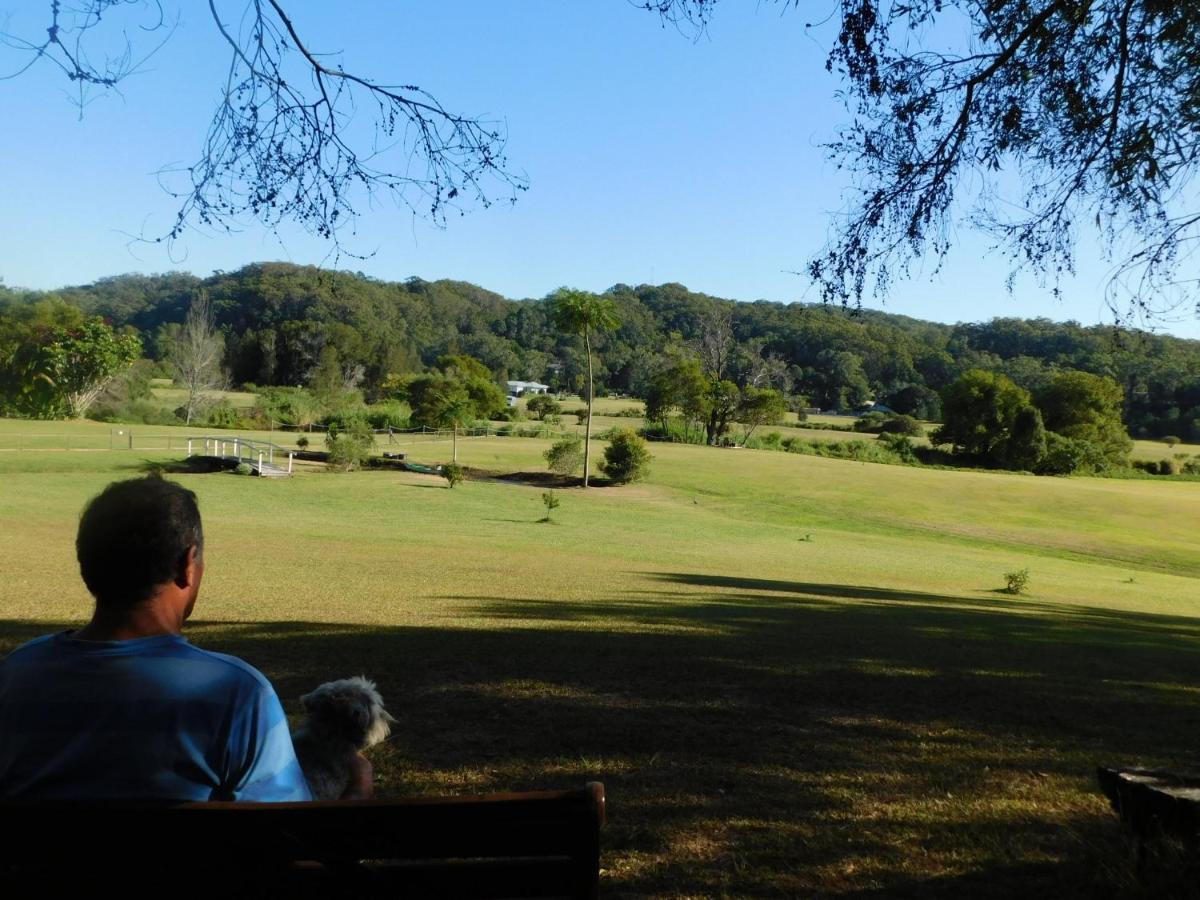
(542, 405)
(551, 501)
(565, 456)
(454, 474)
(627, 458)
(349, 447)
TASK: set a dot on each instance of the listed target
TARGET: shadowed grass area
(857, 714)
(781, 738)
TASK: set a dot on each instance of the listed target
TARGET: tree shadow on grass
(777, 738)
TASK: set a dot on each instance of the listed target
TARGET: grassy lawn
(794, 675)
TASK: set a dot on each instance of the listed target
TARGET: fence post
(131, 439)
(259, 462)
(290, 455)
(189, 453)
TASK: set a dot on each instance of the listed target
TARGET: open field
(795, 675)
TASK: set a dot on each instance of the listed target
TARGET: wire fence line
(132, 439)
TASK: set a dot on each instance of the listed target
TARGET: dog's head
(351, 708)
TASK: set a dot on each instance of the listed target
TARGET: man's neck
(150, 618)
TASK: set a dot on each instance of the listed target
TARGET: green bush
(566, 456)
(542, 405)
(395, 414)
(133, 412)
(860, 451)
(1016, 582)
(901, 445)
(302, 442)
(1170, 440)
(244, 469)
(1191, 467)
(1066, 456)
(1169, 467)
(626, 458)
(902, 425)
(349, 446)
(454, 474)
(677, 431)
(870, 423)
(222, 415)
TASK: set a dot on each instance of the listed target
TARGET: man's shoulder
(237, 668)
(59, 649)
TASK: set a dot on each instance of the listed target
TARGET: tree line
(704, 358)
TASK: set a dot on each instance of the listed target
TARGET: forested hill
(279, 319)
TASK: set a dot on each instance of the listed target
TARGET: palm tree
(579, 312)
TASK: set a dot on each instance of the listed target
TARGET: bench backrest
(535, 844)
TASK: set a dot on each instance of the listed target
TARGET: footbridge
(260, 456)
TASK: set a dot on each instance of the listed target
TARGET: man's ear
(191, 567)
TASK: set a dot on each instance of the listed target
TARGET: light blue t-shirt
(148, 719)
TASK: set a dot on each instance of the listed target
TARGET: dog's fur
(342, 718)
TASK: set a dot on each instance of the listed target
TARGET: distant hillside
(278, 318)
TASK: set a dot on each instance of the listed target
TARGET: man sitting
(125, 708)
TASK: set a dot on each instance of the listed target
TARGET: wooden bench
(535, 844)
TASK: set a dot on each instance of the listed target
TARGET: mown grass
(794, 675)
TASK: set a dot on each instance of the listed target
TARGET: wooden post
(259, 462)
(130, 438)
(189, 453)
(290, 455)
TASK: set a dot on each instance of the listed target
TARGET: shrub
(903, 425)
(243, 469)
(349, 446)
(1016, 582)
(1065, 456)
(302, 442)
(581, 415)
(901, 445)
(1191, 467)
(871, 423)
(1169, 467)
(566, 456)
(550, 499)
(133, 412)
(1170, 440)
(772, 440)
(395, 414)
(453, 473)
(626, 458)
(222, 415)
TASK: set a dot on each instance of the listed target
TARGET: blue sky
(651, 158)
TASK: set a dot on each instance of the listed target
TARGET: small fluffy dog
(342, 718)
